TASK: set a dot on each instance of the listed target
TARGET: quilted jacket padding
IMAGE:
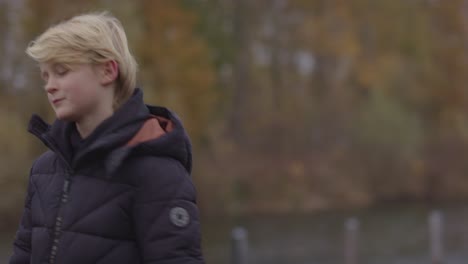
(102, 200)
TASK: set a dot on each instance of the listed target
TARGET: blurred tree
(319, 102)
(4, 26)
(176, 63)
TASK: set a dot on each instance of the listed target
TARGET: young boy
(114, 186)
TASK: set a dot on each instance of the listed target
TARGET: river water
(388, 235)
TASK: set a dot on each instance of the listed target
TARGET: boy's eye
(61, 70)
(61, 73)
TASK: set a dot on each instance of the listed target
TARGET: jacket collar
(113, 132)
(114, 139)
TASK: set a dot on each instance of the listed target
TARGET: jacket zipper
(59, 219)
(63, 200)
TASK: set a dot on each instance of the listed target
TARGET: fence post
(435, 236)
(351, 240)
(240, 246)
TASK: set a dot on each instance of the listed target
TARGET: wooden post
(351, 240)
(435, 236)
(240, 246)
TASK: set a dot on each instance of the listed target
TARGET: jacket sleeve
(22, 242)
(165, 214)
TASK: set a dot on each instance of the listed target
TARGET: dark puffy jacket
(122, 195)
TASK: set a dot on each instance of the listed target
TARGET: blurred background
(302, 113)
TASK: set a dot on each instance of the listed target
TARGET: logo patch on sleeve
(179, 216)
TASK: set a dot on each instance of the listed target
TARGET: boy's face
(73, 92)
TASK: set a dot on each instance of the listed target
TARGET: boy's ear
(109, 72)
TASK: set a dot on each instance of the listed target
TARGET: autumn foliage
(292, 105)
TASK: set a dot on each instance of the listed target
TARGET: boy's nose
(50, 87)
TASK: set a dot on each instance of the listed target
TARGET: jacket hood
(133, 129)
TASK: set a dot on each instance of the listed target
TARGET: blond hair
(92, 38)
